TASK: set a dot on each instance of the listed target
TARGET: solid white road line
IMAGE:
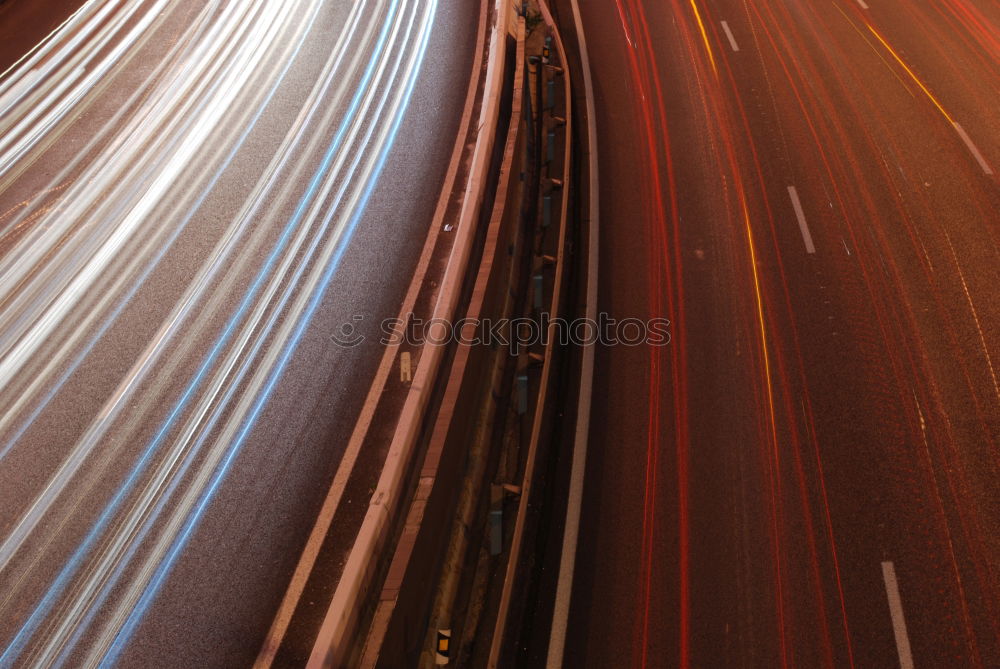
(799, 214)
(574, 503)
(972, 147)
(898, 622)
(729, 34)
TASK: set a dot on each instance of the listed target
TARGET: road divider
(559, 175)
(489, 429)
(453, 467)
(360, 581)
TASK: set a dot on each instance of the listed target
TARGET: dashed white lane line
(799, 214)
(972, 147)
(863, 4)
(729, 34)
(896, 610)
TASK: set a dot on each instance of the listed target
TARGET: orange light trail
(910, 72)
(704, 37)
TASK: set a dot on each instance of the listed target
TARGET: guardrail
(523, 271)
(366, 564)
(550, 273)
(454, 464)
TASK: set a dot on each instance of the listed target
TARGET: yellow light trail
(760, 319)
(704, 37)
(913, 76)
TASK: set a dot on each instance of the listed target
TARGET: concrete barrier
(454, 465)
(358, 583)
(542, 413)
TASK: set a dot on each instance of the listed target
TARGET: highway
(808, 475)
(194, 196)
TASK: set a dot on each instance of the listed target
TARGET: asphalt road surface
(194, 196)
(808, 475)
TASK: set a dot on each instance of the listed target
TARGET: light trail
(73, 280)
(128, 290)
(704, 36)
(42, 505)
(223, 381)
(165, 493)
(232, 236)
(910, 72)
(146, 593)
(812, 355)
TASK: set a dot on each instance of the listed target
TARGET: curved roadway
(808, 474)
(194, 196)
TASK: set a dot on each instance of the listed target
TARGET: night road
(194, 196)
(808, 475)
(209, 208)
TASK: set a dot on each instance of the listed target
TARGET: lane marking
(574, 502)
(972, 147)
(729, 34)
(898, 622)
(799, 214)
(863, 4)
